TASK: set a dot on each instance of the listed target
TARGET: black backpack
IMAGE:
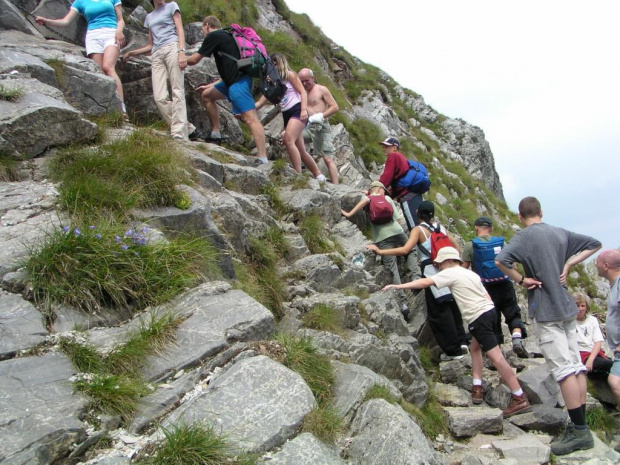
(271, 84)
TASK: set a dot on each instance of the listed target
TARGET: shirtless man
(321, 105)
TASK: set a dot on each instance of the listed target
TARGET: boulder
(542, 418)
(304, 449)
(539, 385)
(57, 9)
(347, 306)
(257, 403)
(383, 433)
(524, 449)
(13, 60)
(12, 17)
(467, 422)
(36, 121)
(39, 412)
(21, 325)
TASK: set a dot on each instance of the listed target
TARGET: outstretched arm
(417, 284)
(139, 51)
(361, 204)
(404, 250)
(64, 22)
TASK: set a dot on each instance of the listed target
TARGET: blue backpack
(416, 179)
(484, 259)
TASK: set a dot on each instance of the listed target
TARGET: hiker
(590, 339)
(295, 114)
(547, 253)
(608, 267)
(233, 85)
(397, 167)
(477, 309)
(387, 235)
(480, 253)
(104, 35)
(443, 314)
(321, 105)
(168, 61)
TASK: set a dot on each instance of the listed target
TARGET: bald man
(608, 267)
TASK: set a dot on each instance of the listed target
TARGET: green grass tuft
(312, 229)
(380, 391)
(599, 420)
(10, 94)
(9, 168)
(431, 417)
(92, 268)
(325, 423)
(303, 357)
(142, 170)
(324, 318)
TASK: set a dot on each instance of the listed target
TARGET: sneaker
(517, 348)
(573, 439)
(178, 137)
(518, 404)
(405, 311)
(447, 358)
(194, 136)
(464, 349)
(321, 177)
(477, 394)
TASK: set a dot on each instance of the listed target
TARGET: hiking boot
(573, 439)
(517, 348)
(518, 404)
(447, 358)
(194, 136)
(477, 394)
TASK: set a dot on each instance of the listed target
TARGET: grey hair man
(321, 105)
(547, 253)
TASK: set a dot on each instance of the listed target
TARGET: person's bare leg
(258, 132)
(572, 391)
(333, 169)
(108, 66)
(209, 97)
(476, 359)
(289, 136)
(614, 384)
(503, 368)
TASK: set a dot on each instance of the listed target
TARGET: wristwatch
(182, 50)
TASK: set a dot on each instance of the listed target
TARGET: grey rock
(24, 63)
(36, 122)
(244, 179)
(304, 449)
(319, 270)
(352, 384)
(15, 281)
(162, 401)
(540, 386)
(347, 306)
(21, 325)
(306, 201)
(383, 308)
(467, 422)
(257, 403)
(383, 433)
(542, 418)
(525, 449)
(197, 219)
(39, 415)
(139, 15)
(452, 396)
(11, 18)
(193, 33)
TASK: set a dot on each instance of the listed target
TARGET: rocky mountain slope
(229, 354)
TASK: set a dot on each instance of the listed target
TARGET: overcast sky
(541, 78)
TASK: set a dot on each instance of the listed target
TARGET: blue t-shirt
(98, 13)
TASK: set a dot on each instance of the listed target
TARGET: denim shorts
(615, 368)
(239, 93)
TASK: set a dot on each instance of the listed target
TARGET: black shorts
(483, 329)
(293, 112)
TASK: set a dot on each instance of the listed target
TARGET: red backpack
(439, 240)
(380, 209)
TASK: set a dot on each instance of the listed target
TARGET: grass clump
(9, 94)
(325, 423)
(9, 168)
(101, 266)
(324, 318)
(380, 391)
(430, 418)
(302, 356)
(364, 136)
(195, 444)
(140, 171)
(311, 228)
(599, 420)
(272, 192)
(227, 11)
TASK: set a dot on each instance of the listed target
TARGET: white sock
(477, 382)
(123, 108)
(518, 392)
(516, 335)
(263, 159)
(215, 135)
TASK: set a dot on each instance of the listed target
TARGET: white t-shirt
(161, 23)
(588, 333)
(469, 293)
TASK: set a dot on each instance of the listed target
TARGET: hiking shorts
(98, 39)
(239, 94)
(483, 329)
(321, 137)
(615, 368)
(558, 343)
(292, 113)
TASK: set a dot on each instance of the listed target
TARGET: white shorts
(98, 39)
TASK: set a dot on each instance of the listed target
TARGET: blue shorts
(615, 368)
(239, 93)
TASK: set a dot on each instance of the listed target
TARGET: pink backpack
(251, 50)
(380, 209)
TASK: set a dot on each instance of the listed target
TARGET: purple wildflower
(98, 236)
(77, 231)
(65, 228)
(129, 232)
(124, 247)
(117, 239)
(91, 227)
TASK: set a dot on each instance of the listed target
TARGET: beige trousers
(164, 68)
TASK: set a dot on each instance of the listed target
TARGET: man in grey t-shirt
(608, 266)
(547, 253)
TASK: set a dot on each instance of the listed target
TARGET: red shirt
(396, 166)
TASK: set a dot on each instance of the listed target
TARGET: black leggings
(446, 323)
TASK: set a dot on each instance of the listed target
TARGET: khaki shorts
(558, 343)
